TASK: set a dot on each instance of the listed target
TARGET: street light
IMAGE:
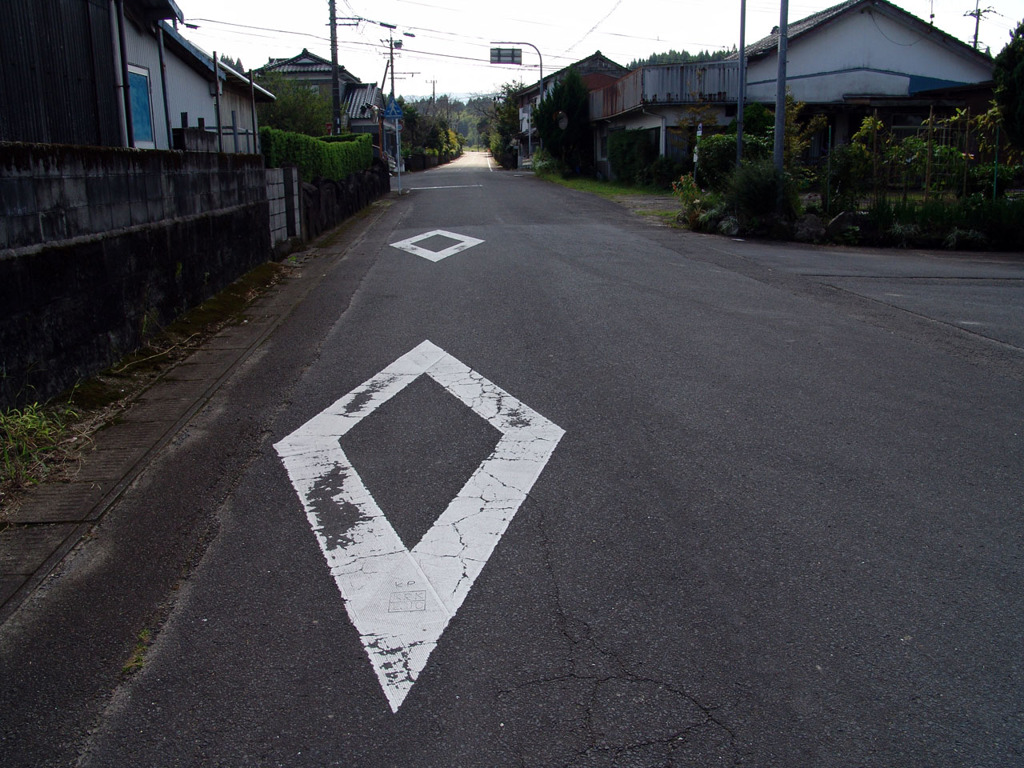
(392, 44)
(529, 132)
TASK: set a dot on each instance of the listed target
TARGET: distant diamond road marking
(409, 244)
(401, 600)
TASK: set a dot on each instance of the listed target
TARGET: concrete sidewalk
(52, 518)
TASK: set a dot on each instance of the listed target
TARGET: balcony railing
(707, 82)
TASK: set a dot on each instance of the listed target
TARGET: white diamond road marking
(401, 600)
(464, 242)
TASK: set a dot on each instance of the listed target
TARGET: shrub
(630, 152)
(316, 159)
(341, 138)
(957, 225)
(848, 176)
(716, 160)
(754, 192)
(702, 210)
(661, 173)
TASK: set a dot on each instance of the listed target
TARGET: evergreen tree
(1009, 86)
(503, 125)
(296, 108)
(563, 122)
(680, 57)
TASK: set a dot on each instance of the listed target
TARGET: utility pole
(742, 95)
(977, 13)
(335, 84)
(780, 87)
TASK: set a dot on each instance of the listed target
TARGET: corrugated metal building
(112, 73)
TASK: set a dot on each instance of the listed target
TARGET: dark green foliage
(341, 138)
(716, 159)
(314, 158)
(296, 108)
(981, 177)
(503, 125)
(568, 102)
(758, 120)
(1009, 86)
(755, 191)
(629, 152)
(848, 175)
(661, 173)
(961, 224)
(235, 64)
(680, 57)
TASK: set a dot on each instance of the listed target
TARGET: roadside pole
(398, 157)
(394, 113)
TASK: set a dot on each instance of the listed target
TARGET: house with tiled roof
(597, 71)
(845, 62)
(361, 102)
(310, 70)
(862, 55)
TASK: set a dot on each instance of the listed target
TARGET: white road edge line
(401, 600)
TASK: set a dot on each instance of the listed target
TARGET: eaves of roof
(360, 98)
(766, 46)
(155, 10)
(202, 62)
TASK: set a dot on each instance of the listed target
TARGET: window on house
(142, 107)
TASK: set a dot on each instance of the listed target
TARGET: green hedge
(341, 138)
(314, 158)
(630, 152)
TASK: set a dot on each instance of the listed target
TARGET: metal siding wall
(53, 74)
(667, 84)
(144, 51)
(105, 93)
(21, 108)
(188, 92)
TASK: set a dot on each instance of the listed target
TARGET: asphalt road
(716, 503)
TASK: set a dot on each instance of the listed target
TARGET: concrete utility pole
(780, 87)
(335, 82)
(742, 95)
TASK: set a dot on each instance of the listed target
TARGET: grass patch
(38, 442)
(609, 189)
(669, 217)
(138, 658)
(32, 440)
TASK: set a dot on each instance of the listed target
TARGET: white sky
(453, 37)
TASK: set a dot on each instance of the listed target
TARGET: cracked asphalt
(782, 527)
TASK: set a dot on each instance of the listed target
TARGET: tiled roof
(358, 96)
(308, 63)
(770, 44)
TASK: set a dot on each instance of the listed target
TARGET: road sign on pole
(393, 111)
(506, 55)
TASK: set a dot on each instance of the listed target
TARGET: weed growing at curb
(138, 658)
(32, 440)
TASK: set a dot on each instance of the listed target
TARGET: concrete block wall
(52, 193)
(283, 197)
(99, 247)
